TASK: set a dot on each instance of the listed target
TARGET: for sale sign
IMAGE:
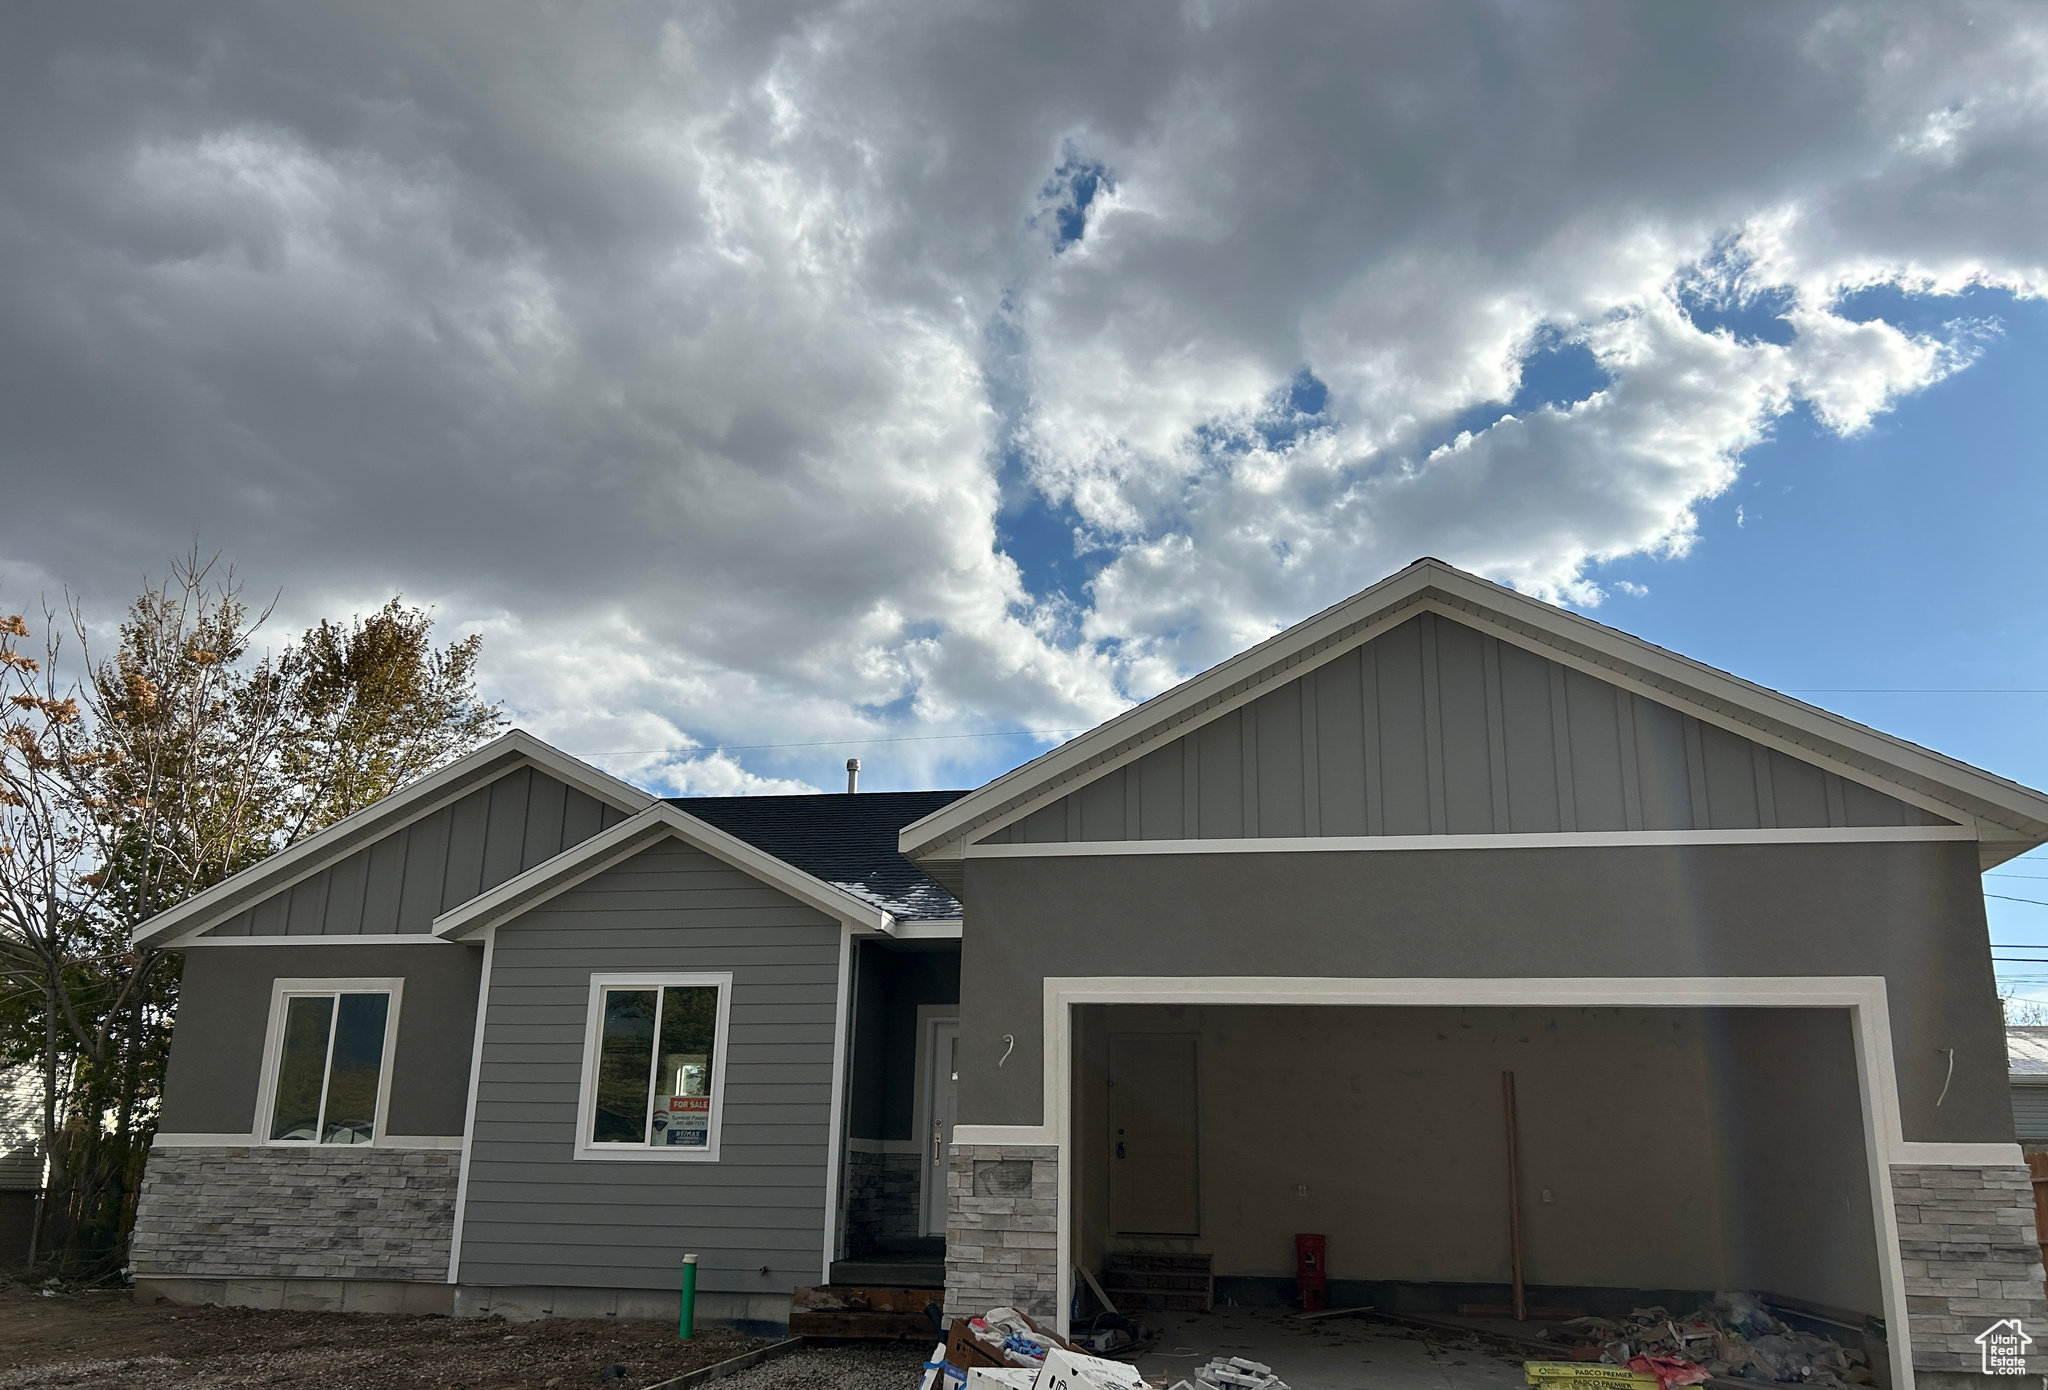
(682, 1122)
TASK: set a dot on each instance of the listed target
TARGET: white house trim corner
(835, 1163)
(476, 1066)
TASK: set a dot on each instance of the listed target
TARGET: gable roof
(848, 841)
(2008, 818)
(660, 821)
(505, 754)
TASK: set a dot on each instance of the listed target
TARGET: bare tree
(124, 788)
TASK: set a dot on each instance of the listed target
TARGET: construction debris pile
(1734, 1335)
(1005, 1350)
(1233, 1373)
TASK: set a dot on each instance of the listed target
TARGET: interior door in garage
(1155, 1185)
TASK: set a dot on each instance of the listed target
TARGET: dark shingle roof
(848, 841)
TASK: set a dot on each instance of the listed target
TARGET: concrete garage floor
(1333, 1354)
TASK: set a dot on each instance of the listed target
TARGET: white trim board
(1337, 844)
(1864, 997)
(411, 938)
(2017, 815)
(505, 754)
(836, 1114)
(476, 1067)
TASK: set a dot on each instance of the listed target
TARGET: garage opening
(1664, 1157)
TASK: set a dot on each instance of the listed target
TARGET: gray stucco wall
(224, 1007)
(1912, 913)
(1786, 1125)
(1437, 728)
(537, 1215)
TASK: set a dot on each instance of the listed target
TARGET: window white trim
(593, 1026)
(273, 1043)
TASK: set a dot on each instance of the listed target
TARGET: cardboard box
(965, 1350)
(1005, 1378)
(1074, 1370)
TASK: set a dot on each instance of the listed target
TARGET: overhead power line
(821, 743)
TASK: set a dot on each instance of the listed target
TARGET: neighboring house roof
(501, 755)
(663, 820)
(848, 841)
(2026, 1051)
(2008, 818)
(21, 1127)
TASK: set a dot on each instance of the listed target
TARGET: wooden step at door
(1159, 1283)
(841, 1310)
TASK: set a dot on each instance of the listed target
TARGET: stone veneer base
(1002, 1229)
(325, 1212)
(1966, 1240)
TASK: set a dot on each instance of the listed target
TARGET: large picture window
(327, 1061)
(654, 1064)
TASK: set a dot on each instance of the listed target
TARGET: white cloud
(701, 359)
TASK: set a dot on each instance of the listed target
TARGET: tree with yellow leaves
(142, 778)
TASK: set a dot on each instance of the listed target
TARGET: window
(326, 1061)
(654, 1067)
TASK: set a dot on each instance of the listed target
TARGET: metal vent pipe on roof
(852, 776)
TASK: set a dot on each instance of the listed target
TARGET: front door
(1155, 1184)
(942, 1065)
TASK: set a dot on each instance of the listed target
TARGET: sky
(771, 383)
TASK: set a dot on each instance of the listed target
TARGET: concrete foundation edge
(301, 1295)
(755, 1315)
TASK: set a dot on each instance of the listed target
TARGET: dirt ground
(105, 1338)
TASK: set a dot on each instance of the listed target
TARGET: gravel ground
(850, 1366)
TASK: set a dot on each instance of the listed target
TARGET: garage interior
(1664, 1155)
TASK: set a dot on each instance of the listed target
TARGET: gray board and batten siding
(401, 882)
(1435, 728)
(536, 1215)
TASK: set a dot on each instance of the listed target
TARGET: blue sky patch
(1071, 191)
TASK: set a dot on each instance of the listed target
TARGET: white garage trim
(1862, 995)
